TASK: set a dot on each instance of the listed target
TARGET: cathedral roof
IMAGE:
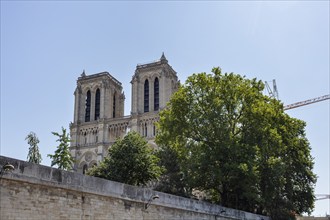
(97, 75)
(162, 60)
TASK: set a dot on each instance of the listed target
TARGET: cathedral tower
(98, 99)
(152, 86)
(99, 109)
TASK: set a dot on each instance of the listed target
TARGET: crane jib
(306, 102)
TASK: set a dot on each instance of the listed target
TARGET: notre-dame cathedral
(99, 109)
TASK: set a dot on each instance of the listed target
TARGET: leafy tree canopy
(130, 160)
(173, 179)
(34, 155)
(238, 146)
(62, 157)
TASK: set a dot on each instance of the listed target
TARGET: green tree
(62, 157)
(285, 166)
(238, 146)
(130, 160)
(173, 179)
(34, 155)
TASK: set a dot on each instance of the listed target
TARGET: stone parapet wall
(33, 191)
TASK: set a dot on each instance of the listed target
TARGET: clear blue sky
(45, 46)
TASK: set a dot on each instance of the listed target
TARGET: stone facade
(32, 191)
(99, 109)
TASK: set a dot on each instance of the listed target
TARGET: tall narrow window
(154, 131)
(85, 168)
(156, 95)
(88, 107)
(85, 135)
(97, 104)
(146, 96)
(145, 130)
(114, 106)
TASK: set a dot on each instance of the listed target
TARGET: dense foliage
(62, 157)
(34, 155)
(172, 179)
(130, 160)
(237, 146)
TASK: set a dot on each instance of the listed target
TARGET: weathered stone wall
(33, 191)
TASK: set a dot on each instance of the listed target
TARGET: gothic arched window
(156, 94)
(114, 106)
(88, 107)
(85, 135)
(154, 130)
(146, 96)
(97, 104)
(85, 168)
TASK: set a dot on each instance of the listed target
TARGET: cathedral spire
(83, 73)
(163, 58)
